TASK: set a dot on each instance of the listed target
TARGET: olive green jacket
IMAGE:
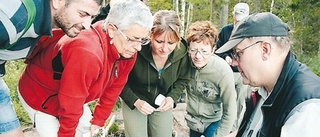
(146, 83)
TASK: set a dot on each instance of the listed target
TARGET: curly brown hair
(202, 31)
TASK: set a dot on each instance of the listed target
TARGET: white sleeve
(304, 120)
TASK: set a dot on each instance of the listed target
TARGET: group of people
(143, 59)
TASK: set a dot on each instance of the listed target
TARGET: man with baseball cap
(261, 52)
(240, 11)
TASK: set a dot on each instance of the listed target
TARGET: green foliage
(113, 128)
(13, 71)
(156, 5)
(201, 10)
(311, 61)
(304, 24)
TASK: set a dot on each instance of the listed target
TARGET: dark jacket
(223, 38)
(295, 84)
(146, 83)
(250, 106)
(103, 13)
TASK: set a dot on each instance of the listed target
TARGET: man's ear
(111, 29)
(57, 4)
(266, 50)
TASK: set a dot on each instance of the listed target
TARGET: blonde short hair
(166, 21)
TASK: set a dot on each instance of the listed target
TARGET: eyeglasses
(236, 54)
(202, 52)
(143, 41)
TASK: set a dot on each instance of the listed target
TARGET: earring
(111, 42)
(264, 58)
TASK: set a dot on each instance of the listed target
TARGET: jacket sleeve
(306, 114)
(107, 101)
(81, 69)
(128, 96)
(183, 79)
(228, 99)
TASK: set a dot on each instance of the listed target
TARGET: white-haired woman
(67, 73)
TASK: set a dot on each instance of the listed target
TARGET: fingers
(144, 107)
(228, 60)
(167, 104)
(94, 129)
(147, 109)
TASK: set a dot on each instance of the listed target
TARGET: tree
(189, 16)
(182, 16)
(225, 13)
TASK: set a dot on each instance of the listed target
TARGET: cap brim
(229, 45)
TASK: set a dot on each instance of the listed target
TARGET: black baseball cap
(255, 25)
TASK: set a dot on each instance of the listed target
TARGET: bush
(313, 62)
(13, 72)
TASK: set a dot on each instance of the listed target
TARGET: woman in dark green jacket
(162, 71)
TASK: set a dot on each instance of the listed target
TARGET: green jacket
(211, 95)
(146, 83)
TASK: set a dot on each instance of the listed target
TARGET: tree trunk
(177, 6)
(173, 4)
(189, 20)
(224, 13)
(183, 11)
(257, 5)
(271, 7)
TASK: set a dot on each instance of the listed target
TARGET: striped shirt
(13, 19)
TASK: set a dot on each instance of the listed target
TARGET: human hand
(228, 60)
(167, 104)
(144, 107)
(96, 131)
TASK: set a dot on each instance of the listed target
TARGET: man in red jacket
(22, 23)
(68, 73)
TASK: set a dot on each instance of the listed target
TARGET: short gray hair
(282, 41)
(125, 13)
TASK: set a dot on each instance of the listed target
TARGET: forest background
(303, 17)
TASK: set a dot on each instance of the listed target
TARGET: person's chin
(127, 55)
(245, 81)
(199, 65)
(73, 32)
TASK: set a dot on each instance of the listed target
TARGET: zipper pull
(116, 73)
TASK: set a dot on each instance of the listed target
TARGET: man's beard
(63, 24)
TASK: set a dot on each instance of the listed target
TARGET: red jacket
(92, 69)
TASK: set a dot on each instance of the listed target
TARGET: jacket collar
(288, 71)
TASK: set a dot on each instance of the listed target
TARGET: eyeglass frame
(143, 41)
(235, 55)
(198, 50)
